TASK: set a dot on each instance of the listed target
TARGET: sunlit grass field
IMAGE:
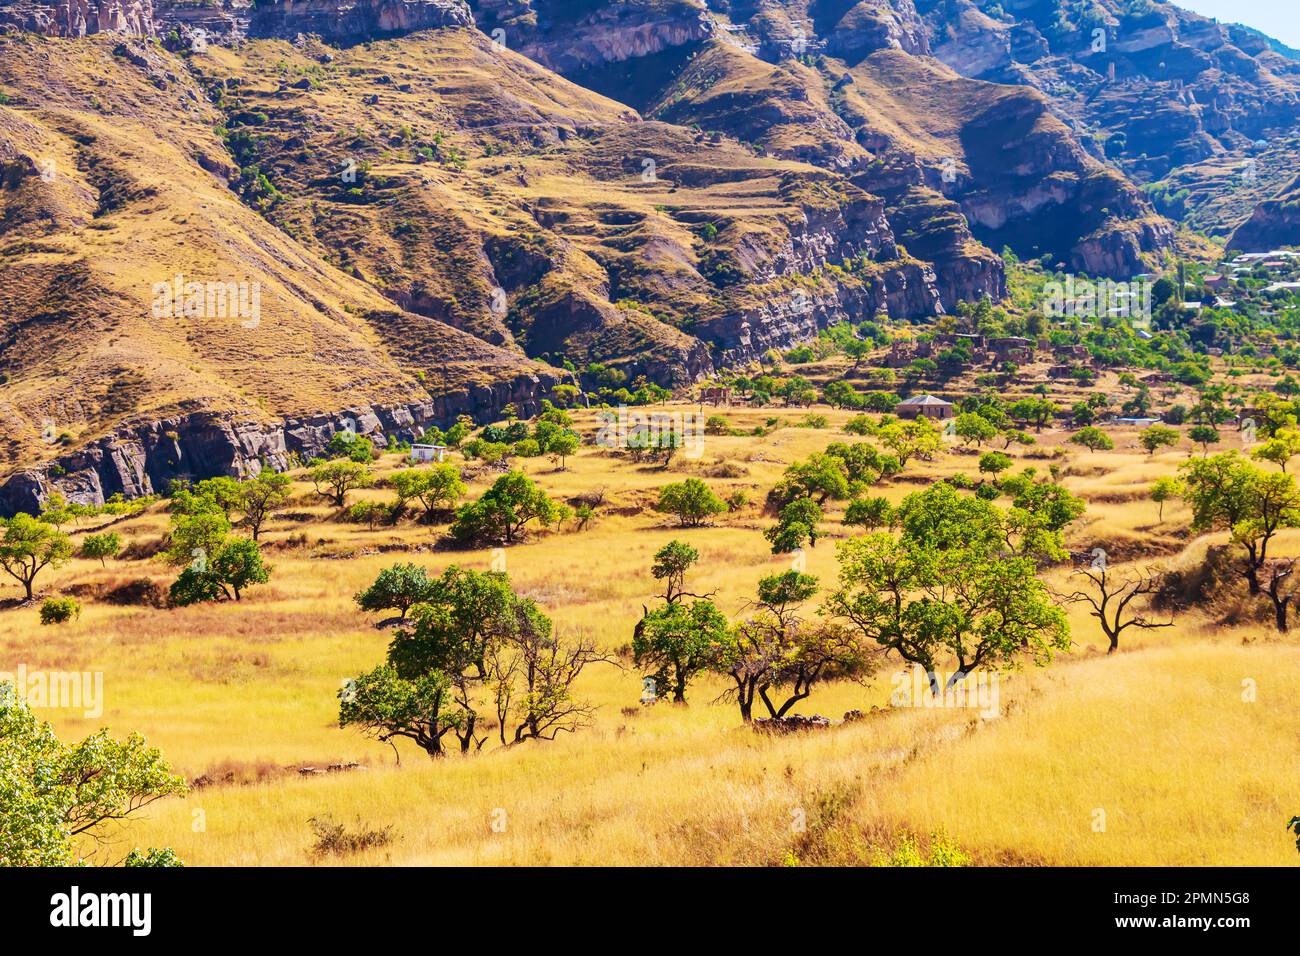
(1180, 749)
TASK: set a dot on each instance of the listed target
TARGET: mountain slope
(447, 206)
(1273, 224)
(114, 184)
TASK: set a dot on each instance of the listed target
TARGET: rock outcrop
(78, 18)
(141, 459)
(1159, 86)
(338, 20)
(1274, 223)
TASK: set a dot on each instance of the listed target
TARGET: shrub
(334, 839)
(859, 425)
(943, 852)
(717, 425)
(60, 610)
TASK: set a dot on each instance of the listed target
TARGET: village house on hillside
(924, 405)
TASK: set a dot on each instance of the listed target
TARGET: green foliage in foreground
(51, 793)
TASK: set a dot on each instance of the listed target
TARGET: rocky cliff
(141, 459)
(77, 18)
(1147, 85)
(340, 20)
(1274, 223)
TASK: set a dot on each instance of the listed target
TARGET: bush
(335, 839)
(859, 425)
(60, 610)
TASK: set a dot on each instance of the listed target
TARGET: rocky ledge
(330, 19)
(141, 459)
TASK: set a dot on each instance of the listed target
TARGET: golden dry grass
(1158, 736)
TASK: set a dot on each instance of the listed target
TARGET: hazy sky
(1277, 18)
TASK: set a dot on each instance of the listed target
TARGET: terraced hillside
(446, 207)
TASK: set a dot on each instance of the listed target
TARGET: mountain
(1258, 36)
(441, 206)
(1274, 223)
(1202, 114)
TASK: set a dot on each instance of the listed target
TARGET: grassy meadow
(1179, 749)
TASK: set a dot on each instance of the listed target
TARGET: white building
(428, 452)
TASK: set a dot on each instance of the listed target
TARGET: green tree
(994, 463)
(677, 641)
(1157, 437)
(1093, 439)
(796, 524)
(840, 394)
(196, 537)
(563, 446)
(857, 350)
(334, 479)
(228, 568)
(778, 656)
(401, 587)
(101, 547)
(1280, 449)
(52, 793)
(349, 445)
(918, 438)
(1225, 491)
(691, 501)
(237, 566)
(385, 706)
(440, 486)
(260, 496)
(1036, 411)
(1205, 436)
(944, 588)
(475, 649)
(974, 429)
(822, 476)
(671, 563)
(505, 509)
(1163, 490)
(28, 546)
(869, 513)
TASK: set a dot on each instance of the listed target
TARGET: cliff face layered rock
(570, 37)
(1164, 86)
(142, 459)
(794, 316)
(341, 20)
(78, 18)
(348, 20)
(1274, 223)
